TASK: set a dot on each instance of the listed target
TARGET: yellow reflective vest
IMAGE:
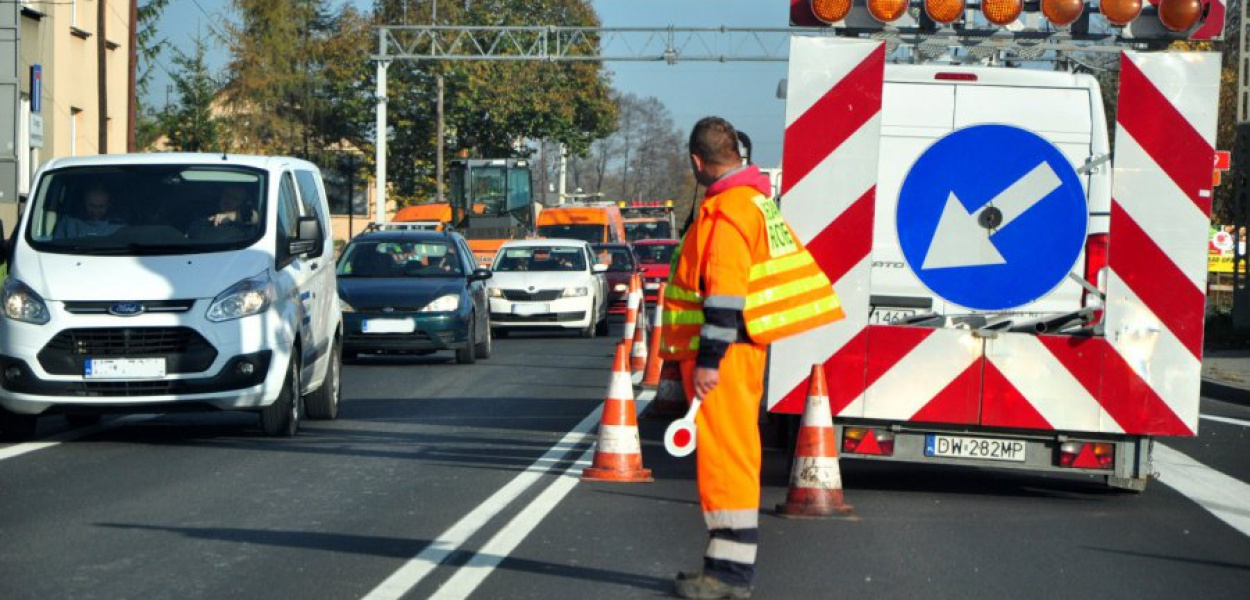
(785, 291)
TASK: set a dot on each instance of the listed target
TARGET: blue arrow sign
(991, 217)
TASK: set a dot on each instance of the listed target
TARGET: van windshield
(147, 209)
(587, 233)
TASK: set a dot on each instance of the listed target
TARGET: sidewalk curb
(1226, 392)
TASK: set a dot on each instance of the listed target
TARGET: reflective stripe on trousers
(728, 459)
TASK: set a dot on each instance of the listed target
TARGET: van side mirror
(599, 268)
(480, 275)
(308, 236)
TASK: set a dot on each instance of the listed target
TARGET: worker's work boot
(698, 586)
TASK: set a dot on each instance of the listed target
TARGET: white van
(924, 103)
(156, 282)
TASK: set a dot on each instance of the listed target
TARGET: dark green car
(407, 291)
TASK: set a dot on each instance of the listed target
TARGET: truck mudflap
(1139, 379)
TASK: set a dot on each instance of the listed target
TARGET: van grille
(184, 350)
(149, 306)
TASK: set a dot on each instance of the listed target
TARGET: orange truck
(491, 202)
(648, 220)
(592, 224)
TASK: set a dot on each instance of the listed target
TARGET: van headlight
(446, 303)
(243, 299)
(22, 303)
(575, 292)
(494, 292)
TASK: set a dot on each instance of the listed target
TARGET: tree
(492, 108)
(644, 159)
(191, 125)
(150, 45)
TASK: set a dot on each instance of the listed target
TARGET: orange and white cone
(631, 311)
(618, 455)
(815, 479)
(655, 364)
(638, 351)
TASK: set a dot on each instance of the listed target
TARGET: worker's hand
(705, 380)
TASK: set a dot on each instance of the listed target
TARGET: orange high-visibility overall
(741, 280)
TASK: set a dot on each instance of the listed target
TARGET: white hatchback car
(548, 283)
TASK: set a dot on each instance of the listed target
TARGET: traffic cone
(631, 312)
(651, 373)
(670, 394)
(815, 479)
(638, 352)
(618, 455)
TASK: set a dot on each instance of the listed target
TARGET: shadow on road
(395, 548)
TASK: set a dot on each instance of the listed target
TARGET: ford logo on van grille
(127, 309)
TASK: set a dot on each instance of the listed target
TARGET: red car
(655, 257)
(621, 265)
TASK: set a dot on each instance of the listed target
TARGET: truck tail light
(1179, 15)
(1096, 251)
(1062, 12)
(887, 11)
(865, 440)
(831, 11)
(1120, 12)
(1001, 12)
(944, 11)
(1087, 455)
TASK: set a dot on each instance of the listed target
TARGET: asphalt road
(441, 480)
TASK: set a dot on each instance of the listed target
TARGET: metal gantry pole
(1241, 176)
(380, 144)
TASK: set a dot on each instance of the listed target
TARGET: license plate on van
(527, 310)
(124, 368)
(950, 446)
(885, 316)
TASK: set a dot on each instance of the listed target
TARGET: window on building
(75, 128)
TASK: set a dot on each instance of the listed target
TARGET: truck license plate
(124, 368)
(949, 446)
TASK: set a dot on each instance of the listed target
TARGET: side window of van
(310, 199)
(288, 218)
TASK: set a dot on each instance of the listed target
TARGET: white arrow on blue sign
(991, 217)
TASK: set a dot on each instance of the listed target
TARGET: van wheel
(483, 350)
(593, 326)
(498, 332)
(324, 403)
(281, 419)
(466, 355)
(17, 428)
(601, 329)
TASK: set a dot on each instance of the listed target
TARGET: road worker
(742, 280)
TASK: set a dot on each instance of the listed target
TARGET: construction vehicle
(1016, 296)
(491, 201)
(648, 219)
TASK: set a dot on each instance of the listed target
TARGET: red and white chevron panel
(828, 185)
(1141, 378)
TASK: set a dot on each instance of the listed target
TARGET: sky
(745, 93)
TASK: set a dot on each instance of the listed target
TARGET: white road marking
(418, 567)
(483, 563)
(69, 436)
(1223, 496)
(1225, 420)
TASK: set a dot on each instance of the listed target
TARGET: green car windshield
(391, 259)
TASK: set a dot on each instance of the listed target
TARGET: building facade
(61, 88)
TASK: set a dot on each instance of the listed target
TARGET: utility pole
(10, 100)
(101, 48)
(561, 180)
(132, 100)
(440, 139)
